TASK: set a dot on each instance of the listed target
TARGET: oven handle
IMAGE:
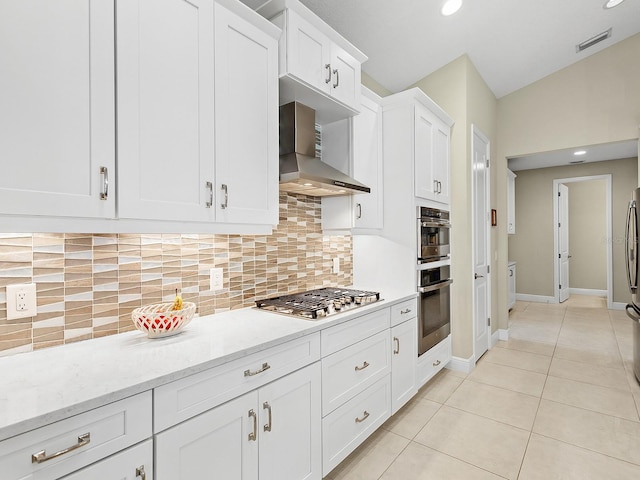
(436, 224)
(437, 286)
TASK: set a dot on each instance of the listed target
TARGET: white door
(220, 443)
(246, 118)
(57, 121)
(563, 241)
(165, 109)
(481, 240)
(290, 427)
(404, 345)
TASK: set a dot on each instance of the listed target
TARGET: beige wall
(532, 245)
(461, 92)
(588, 235)
(374, 86)
(595, 100)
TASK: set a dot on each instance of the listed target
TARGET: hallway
(558, 400)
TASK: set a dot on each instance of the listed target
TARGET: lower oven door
(434, 315)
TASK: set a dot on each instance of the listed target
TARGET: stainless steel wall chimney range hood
(300, 171)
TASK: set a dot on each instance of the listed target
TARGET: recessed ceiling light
(612, 3)
(450, 7)
(579, 152)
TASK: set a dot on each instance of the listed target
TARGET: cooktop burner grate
(318, 303)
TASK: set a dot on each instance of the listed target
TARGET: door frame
(608, 214)
(476, 131)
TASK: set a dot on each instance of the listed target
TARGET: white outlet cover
(215, 279)
(336, 265)
(30, 304)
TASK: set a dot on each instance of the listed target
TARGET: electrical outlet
(336, 265)
(21, 301)
(215, 279)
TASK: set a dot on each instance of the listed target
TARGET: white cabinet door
(220, 443)
(290, 427)
(165, 109)
(246, 117)
(512, 286)
(367, 163)
(135, 463)
(345, 77)
(404, 357)
(308, 53)
(425, 183)
(57, 129)
(441, 161)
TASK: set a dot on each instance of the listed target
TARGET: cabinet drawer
(349, 371)
(87, 437)
(127, 465)
(351, 424)
(341, 336)
(434, 360)
(404, 311)
(187, 397)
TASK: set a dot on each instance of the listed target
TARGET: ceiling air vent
(593, 40)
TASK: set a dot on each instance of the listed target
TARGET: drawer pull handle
(249, 373)
(104, 193)
(42, 456)
(364, 365)
(209, 187)
(436, 363)
(405, 311)
(397, 350)
(267, 427)
(253, 435)
(141, 473)
(364, 417)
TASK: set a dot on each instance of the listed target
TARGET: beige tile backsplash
(87, 285)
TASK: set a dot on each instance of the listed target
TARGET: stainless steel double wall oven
(433, 277)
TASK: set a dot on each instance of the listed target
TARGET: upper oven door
(433, 240)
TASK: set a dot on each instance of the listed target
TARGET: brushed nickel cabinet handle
(104, 193)
(405, 311)
(364, 417)
(141, 473)
(267, 427)
(337, 74)
(209, 186)
(42, 456)
(328, 67)
(249, 373)
(364, 365)
(225, 190)
(359, 210)
(397, 350)
(254, 435)
(436, 363)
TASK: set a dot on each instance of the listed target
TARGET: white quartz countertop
(45, 386)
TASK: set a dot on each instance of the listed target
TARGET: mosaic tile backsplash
(88, 285)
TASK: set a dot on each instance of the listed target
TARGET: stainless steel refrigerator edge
(633, 308)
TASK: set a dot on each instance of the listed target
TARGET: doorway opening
(593, 233)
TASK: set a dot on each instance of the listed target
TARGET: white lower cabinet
(271, 433)
(433, 360)
(404, 352)
(135, 463)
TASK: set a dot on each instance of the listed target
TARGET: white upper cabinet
(165, 109)
(246, 118)
(57, 133)
(317, 66)
(431, 156)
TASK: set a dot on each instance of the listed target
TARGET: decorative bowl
(158, 320)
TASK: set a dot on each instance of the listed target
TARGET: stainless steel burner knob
(337, 304)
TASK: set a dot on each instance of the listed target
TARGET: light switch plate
(336, 265)
(21, 301)
(215, 279)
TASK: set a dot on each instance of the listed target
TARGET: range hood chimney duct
(300, 171)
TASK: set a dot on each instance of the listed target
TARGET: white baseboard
(525, 297)
(464, 365)
(503, 334)
(495, 336)
(588, 291)
(618, 305)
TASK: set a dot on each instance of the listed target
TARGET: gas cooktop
(320, 303)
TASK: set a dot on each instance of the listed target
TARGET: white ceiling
(595, 153)
(512, 43)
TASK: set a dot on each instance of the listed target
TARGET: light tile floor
(557, 401)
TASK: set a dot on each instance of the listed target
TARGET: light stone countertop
(48, 385)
